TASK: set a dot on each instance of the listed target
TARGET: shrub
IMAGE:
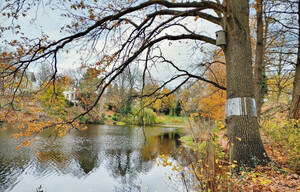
(116, 117)
(103, 117)
(54, 103)
(285, 135)
(70, 103)
(207, 161)
(144, 116)
(83, 119)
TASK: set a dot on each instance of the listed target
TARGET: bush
(208, 162)
(103, 117)
(144, 116)
(116, 117)
(285, 135)
(83, 119)
(54, 104)
(70, 103)
(109, 106)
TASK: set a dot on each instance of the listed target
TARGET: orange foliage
(212, 105)
(209, 100)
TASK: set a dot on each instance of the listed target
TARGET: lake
(103, 158)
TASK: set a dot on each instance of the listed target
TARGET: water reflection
(106, 158)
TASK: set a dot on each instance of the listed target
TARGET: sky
(49, 22)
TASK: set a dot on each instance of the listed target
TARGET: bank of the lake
(113, 118)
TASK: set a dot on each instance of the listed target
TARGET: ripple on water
(110, 158)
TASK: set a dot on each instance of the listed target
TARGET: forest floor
(277, 176)
(281, 138)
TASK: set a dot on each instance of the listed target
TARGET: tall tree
(295, 104)
(282, 25)
(243, 128)
(259, 58)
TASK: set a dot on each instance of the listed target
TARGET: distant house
(71, 95)
(34, 83)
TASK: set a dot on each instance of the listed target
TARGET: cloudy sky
(48, 21)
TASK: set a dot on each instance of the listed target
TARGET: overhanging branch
(195, 13)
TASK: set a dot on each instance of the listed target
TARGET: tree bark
(295, 104)
(243, 128)
(259, 59)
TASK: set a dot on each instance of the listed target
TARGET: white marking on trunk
(238, 106)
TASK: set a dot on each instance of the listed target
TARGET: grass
(172, 120)
(121, 123)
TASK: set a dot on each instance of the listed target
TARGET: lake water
(103, 158)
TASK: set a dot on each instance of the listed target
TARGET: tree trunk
(259, 58)
(295, 104)
(243, 128)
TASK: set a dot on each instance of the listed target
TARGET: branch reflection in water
(110, 158)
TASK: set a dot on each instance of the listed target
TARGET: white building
(71, 95)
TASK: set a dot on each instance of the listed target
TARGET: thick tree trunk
(243, 128)
(295, 104)
(259, 59)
